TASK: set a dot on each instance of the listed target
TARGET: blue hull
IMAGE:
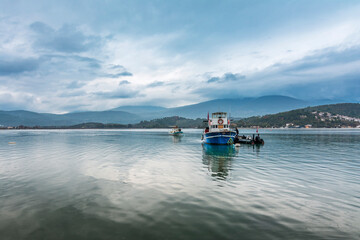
(219, 138)
(176, 133)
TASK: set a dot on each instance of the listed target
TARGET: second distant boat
(175, 131)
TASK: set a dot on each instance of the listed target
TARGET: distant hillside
(20, 117)
(16, 118)
(139, 109)
(103, 117)
(171, 121)
(166, 122)
(335, 115)
(238, 108)
(95, 125)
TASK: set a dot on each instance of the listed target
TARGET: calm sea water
(132, 184)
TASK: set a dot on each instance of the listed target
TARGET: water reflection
(218, 159)
(254, 148)
(138, 184)
(176, 138)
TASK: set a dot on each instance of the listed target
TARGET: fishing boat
(175, 131)
(218, 131)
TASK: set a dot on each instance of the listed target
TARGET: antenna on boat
(229, 114)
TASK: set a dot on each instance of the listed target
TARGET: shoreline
(69, 128)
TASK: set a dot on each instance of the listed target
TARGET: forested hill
(335, 115)
(171, 121)
(346, 109)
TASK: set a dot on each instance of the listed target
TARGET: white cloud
(89, 74)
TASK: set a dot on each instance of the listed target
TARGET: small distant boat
(249, 140)
(218, 131)
(175, 131)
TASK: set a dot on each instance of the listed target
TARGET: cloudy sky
(61, 56)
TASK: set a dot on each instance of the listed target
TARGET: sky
(65, 56)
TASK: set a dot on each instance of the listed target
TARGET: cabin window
(219, 115)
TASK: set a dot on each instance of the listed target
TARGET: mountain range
(238, 108)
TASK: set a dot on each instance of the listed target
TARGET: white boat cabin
(219, 122)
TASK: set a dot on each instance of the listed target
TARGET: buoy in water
(237, 144)
(12, 142)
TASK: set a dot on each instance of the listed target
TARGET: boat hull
(176, 133)
(219, 138)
